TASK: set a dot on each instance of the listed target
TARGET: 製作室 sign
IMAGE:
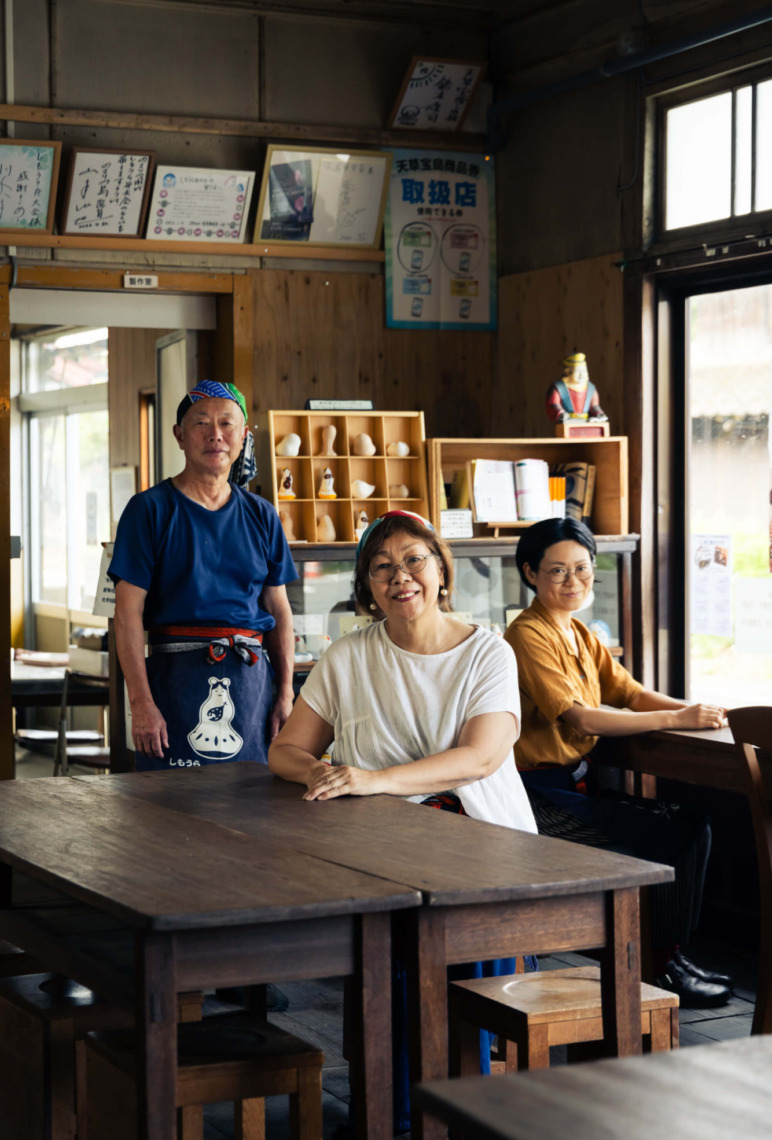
(191, 204)
(440, 238)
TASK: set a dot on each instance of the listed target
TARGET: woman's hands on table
(326, 781)
(699, 716)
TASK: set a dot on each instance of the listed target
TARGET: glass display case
(488, 589)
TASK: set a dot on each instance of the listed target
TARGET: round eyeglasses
(385, 571)
(583, 572)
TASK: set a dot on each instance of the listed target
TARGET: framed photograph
(29, 172)
(194, 204)
(323, 196)
(436, 94)
(107, 192)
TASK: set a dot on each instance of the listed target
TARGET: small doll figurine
(361, 523)
(285, 484)
(574, 396)
(326, 488)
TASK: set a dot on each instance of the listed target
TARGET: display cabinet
(488, 587)
(392, 476)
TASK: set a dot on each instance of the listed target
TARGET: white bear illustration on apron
(213, 738)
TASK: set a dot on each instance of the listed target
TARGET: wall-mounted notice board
(436, 94)
(107, 192)
(323, 197)
(192, 204)
(28, 177)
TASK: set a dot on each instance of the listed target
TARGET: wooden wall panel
(131, 367)
(324, 335)
(543, 315)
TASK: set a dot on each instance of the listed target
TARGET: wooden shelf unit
(380, 469)
(609, 512)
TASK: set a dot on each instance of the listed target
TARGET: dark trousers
(658, 831)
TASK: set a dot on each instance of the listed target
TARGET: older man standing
(202, 564)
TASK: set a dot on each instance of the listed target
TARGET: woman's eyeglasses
(385, 571)
(558, 574)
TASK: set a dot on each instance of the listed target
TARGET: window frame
(754, 225)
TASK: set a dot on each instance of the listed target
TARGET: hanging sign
(440, 238)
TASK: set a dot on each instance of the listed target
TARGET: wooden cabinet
(352, 474)
(609, 513)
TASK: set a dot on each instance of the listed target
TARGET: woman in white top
(420, 704)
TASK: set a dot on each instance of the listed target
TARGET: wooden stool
(236, 1057)
(41, 1018)
(530, 1012)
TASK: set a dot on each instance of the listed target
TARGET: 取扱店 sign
(440, 238)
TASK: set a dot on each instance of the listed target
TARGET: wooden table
(36, 686)
(708, 1092)
(156, 901)
(487, 892)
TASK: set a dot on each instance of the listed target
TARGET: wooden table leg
(370, 1062)
(156, 1024)
(427, 1003)
(620, 976)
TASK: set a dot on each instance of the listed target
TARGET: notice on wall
(440, 241)
(107, 192)
(28, 175)
(753, 616)
(710, 570)
(436, 94)
(191, 204)
(104, 602)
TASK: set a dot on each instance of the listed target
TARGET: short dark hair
(401, 524)
(539, 537)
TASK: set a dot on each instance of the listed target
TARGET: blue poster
(440, 239)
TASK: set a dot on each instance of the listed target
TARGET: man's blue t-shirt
(201, 566)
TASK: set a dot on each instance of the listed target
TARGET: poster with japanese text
(191, 204)
(28, 177)
(436, 94)
(440, 239)
(107, 192)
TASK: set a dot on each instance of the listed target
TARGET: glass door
(728, 533)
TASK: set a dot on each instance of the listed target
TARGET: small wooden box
(609, 454)
(380, 470)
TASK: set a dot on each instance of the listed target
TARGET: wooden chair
(41, 1019)
(67, 751)
(231, 1057)
(531, 1012)
(752, 729)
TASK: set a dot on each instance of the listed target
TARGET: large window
(65, 400)
(717, 154)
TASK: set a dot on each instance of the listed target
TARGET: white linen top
(388, 706)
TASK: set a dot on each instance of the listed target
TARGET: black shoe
(692, 992)
(703, 975)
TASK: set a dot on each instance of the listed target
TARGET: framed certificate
(323, 197)
(193, 204)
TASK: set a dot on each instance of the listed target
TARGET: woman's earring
(373, 606)
(444, 592)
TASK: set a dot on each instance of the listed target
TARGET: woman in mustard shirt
(565, 675)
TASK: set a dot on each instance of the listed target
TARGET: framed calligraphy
(107, 192)
(436, 94)
(29, 172)
(322, 196)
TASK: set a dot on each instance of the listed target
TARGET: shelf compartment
(300, 514)
(372, 425)
(302, 482)
(340, 475)
(404, 429)
(317, 424)
(339, 511)
(282, 426)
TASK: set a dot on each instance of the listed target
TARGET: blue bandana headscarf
(245, 468)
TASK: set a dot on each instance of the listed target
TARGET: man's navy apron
(213, 688)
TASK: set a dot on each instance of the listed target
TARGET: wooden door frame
(233, 293)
